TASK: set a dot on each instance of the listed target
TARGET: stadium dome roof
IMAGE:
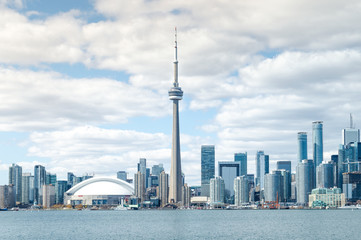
(102, 186)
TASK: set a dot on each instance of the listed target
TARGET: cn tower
(175, 94)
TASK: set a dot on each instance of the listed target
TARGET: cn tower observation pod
(98, 191)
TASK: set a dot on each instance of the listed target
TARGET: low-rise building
(326, 197)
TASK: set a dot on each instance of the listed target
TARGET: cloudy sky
(83, 84)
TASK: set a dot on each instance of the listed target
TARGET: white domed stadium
(98, 191)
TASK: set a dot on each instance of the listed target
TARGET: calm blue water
(192, 224)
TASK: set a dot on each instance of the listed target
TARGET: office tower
(241, 190)
(348, 159)
(50, 179)
(15, 178)
(258, 166)
(324, 175)
(305, 180)
(60, 188)
(186, 196)
(139, 186)
(86, 176)
(7, 196)
(351, 134)
(352, 186)
(142, 165)
(264, 169)
(122, 175)
(147, 177)
(334, 160)
(286, 165)
(207, 167)
(317, 143)
(242, 158)
(175, 95)
(39, 181)
(302, 146)
(157, 169)
(287, 184)
(70, 177)
(25, 188)
(217, 190)
(163, 188)
(273, 186)
(48, 196)
(228, 171)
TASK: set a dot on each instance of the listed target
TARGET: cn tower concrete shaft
(175, 95)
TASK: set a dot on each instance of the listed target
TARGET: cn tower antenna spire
(175, 36)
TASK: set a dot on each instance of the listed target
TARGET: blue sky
(83, 84)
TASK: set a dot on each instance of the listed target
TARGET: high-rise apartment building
(25, 188)
(15, 178)
(302, 146)
(7, 196)
(317, 142)
(242, 159)
(186, 196)
(39, 181)
(273, 186)
(139, 186)
(263, 167)
(241, 190)
(207, 167)
(48, 195)
(163, 188)
(60, 188)
(305, 180)
(217, 190)
(228, 171)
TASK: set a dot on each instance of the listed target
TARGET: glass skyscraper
(305, 180)
(242, 158)
(241, 192)
(286, 165)
(263, 167)
(273, 186)
(15, 178)
(350, 135)
(207, 167)
(302, 146)
(217, 190)
(324, 175)
(317, 142)
(39, 181)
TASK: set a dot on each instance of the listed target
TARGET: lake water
(186, 224)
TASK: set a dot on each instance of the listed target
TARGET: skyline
(84, 85)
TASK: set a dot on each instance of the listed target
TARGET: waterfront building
(217, 190)
(122, 175)
(39, 181)
(305, 180)
(317, 142)
(273, 186)
(325, 197)
(352, 186)
(60, 188)
(324, 175)
(175, 95)
(207, 167)
(286, 165)
(7, 196)
(242, 159)
(302, 146)
(139, 186)
(70, 177)
(241, 191)
(99, 191)
(163, 188)
(186, 196)
(15, 178)
(228, 170)
(25, 188)
(48, 196)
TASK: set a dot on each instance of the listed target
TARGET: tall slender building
(302, 146)
(317, 143)
(207, 167)
(15, 178)
(175, 95)
(242, 158)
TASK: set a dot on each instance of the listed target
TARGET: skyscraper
(286, 165)
(302, 146)
(324, 175)
(48, 196)
(305, 180)
(274, 189)
(15, 178)
(39, 181)
(242, 158)
(317, 143)
(207, 167)
(139, 186)
(350, 135)
(241, 192)
(122, 175)
(60, 189)
(25, 188)
(175, 95)
(264, 169)
(228, 170)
